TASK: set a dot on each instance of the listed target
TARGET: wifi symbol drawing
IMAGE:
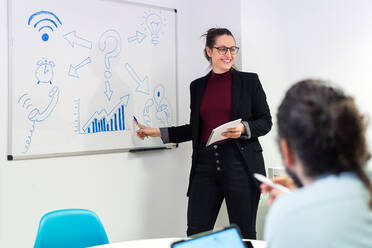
(45, 22)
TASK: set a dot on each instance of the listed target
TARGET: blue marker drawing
(110, 44)
(29, 138)
(146, 112)
(74, 39)
(108, 91)
(26, 101)
(44, 21)
(163, 111)
(44, 71)
(153, 23)
(48, 27)
(35, 115)
(143, 84)
(139, 37)
(73, 69)
(103, 120)
(77, 115)
(39, 116)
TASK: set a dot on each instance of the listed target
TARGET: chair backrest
(73, 228)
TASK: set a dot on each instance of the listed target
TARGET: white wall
(135, 195)
(289, 40)
(143, 196)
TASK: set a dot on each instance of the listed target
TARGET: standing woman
(222, 170)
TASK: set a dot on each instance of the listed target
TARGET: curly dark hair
(325, 129)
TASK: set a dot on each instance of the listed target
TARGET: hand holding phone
(267, 181)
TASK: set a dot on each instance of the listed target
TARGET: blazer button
(242, 148)
(215, 146)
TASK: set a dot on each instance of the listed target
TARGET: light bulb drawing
(154, 23)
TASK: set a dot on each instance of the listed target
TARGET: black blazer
(248, 102)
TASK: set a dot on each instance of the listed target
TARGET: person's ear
(287, 153)
(209, 51)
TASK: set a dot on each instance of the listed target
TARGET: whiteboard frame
(10, 79)
(93, 152)
(11, 157)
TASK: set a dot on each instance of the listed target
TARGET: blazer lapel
(235, 94)
(199, 92)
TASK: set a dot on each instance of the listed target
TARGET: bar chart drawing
(103, 120)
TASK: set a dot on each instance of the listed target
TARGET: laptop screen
(227, 238)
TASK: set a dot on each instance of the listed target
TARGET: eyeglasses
(222, 50)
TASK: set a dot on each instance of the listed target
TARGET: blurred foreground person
(324, 149)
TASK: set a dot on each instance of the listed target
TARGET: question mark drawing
(110, 45)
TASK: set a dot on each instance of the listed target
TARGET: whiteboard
(80, 70)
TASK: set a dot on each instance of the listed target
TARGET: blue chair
(72, 228)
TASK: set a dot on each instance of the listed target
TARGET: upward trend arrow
(104, 113)
(143, 84)
(124, 100)
(73, 69)
(73, 39)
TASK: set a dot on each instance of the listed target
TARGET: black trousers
(221, 174)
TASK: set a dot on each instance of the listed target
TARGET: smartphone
(264, 179)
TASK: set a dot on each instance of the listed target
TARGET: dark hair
(210, 38)
(325, 129)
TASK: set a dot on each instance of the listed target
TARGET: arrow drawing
(73, 69)
(143, 85)
(73, 39)
(139, 37)
(108, 91)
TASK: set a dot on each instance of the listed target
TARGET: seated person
(324, 149)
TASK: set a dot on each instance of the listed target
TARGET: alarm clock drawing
(44, 71)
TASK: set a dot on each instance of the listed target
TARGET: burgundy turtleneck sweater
(215, 108)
